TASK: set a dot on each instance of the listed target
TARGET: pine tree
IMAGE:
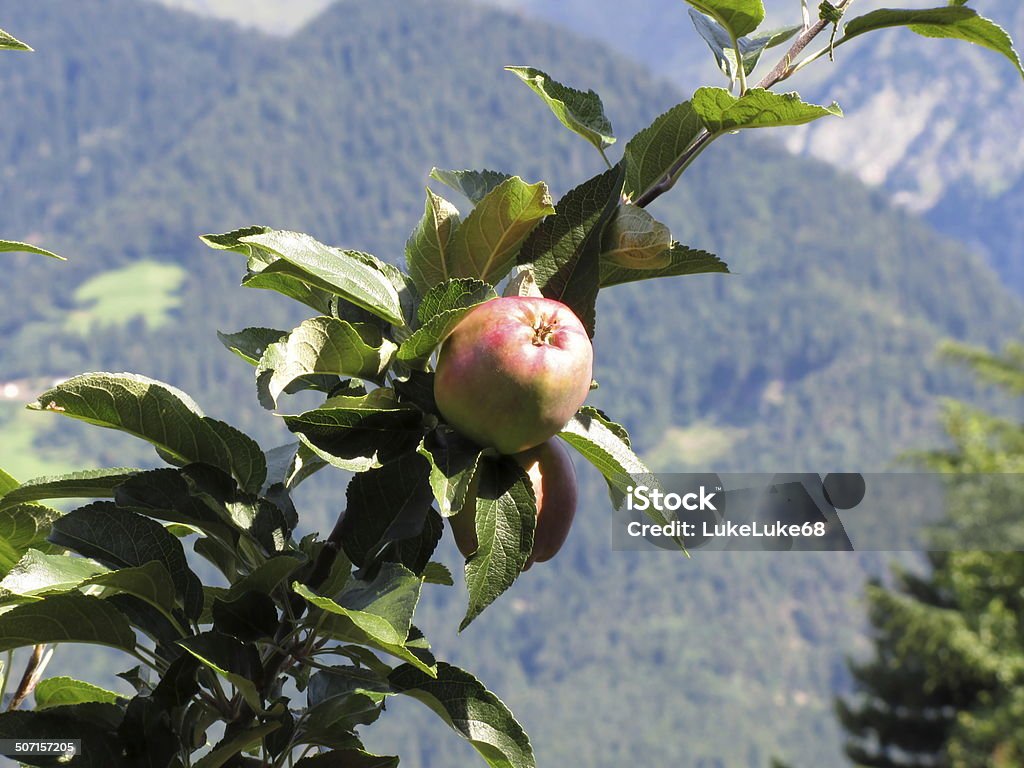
(945, 687)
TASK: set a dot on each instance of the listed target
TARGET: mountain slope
(817, 354)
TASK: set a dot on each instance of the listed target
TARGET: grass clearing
(23, 453)
(146, 290)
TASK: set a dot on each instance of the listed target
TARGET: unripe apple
(553, 478)
(513, 372)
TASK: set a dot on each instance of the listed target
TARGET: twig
(30, 678)
(782, 70)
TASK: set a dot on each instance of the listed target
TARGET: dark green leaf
(323, 345)
(386, 506)
(651, 153)
(682, 261)
(60, 691)
(565, 250)
(360, 433)
(486, 243)
(12, 246)
(441, 310)
(721, 44)
(291, 281)
(453, 461)
(473, 184)
(22, 527)
(88, 484)
(119, 538)
(342, 698)
(235, 744)
(267, 576)
(332, 269)
(580, 112)
(957, 22)
(428, 250)
(149, 582)
(65, 618)
(250, 343)
(161, 415)
(471, 710)
(168, 494)
(235, 661)
(10, 43)
(249, 616)
(722, 112)
(739, 17)
(418, 390)
(438, 573)
(506, 516)
(376, 613)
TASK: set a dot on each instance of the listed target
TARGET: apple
(553, 478)
(513, 372)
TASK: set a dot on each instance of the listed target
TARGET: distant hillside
(816, 354)
(935, 125)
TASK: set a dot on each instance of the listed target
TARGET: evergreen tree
(945, 687)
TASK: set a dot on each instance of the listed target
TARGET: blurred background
(857, 245)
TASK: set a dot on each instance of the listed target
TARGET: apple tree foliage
(299, 642)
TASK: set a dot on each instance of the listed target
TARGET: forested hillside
(816, 354)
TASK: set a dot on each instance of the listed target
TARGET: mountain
(815, 355)
(933, 124)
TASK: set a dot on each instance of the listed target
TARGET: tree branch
(30, 678)
(782, 70)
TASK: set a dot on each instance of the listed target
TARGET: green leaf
(249, 616)
(486, 243)
(441, 310)
(22, 527)
(472, 711)
(428, 250)
(293, 282)
(651, 153)
(565, 250)
(721, 44)
(250, 343)
(339, 699)
(38, 573)
(681, 261)
(11, 43)
(438, 573)
(267, 575)
(87, 484)
(473, 184)
(12, 246)
(956, 22)
(161, 415)
(61, 691)
(65, 618)
(235, 744)
(122, 539)
(605, 444)
(347, 758)
(385, 507)
(636, 240)
(722, 112)
(580, 112)
(235, 661)
(7, 483)
(739, 17)
(377, 613)
(506, 517)
(150, 582)
(332, 269)
(323, 345)
(453, 461)
(235, 239)
(360, 433)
